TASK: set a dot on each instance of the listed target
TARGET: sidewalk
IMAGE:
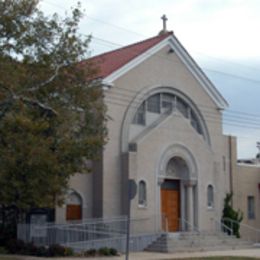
(160, 256)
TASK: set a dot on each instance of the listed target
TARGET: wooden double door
(170, 205)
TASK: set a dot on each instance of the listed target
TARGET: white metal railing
(221, 227)
(87, 232)
(164, 223)
(185, 225)
(247, 232)
(50, 233)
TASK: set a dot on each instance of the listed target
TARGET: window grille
(139, 118)
(162, 103)
(153, 104)
(182, 107)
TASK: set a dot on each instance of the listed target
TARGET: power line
(132, 93)
(99, 20)
(204, 68)
(210, 117)
(183, 129)
(225, 61)
(139, 34)
(214, 71)
(232, 75)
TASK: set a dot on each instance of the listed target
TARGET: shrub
(28, 249)
(230, 217)
(56, 250)
(41, 251)
(68, 251)
(14, 246)
(90, 252)
(113, 251)
(104, 251)
(3, 251)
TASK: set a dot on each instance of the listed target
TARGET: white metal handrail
(223, 227)
(191, 227)
(250, 228)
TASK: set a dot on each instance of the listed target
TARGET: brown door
(73, 212)
(170, 205)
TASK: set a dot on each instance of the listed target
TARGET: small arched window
(73, 206)
(142, 194)
(210, 196)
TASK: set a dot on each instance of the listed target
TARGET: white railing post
(167, 227)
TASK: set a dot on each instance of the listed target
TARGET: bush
(56, 250)
(104, 251)
(69, 251)
(19, 247)
(90, 252)
(113, 251)
(230, 217)
(3, 251)
(42, 251)
(14, 246)
(28, 249)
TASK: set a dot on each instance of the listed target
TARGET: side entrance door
(73, 212)
(170, 205)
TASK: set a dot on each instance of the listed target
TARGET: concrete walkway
(157, 256)
(160, 256)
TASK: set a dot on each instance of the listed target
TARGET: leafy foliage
(103, 251)
(51, 110)
(231, 217)
(14, 246)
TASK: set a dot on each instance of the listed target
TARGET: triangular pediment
(172, 42)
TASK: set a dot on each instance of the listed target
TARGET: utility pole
(132, 189)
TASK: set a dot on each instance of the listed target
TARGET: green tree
(230, 217)
(51, 110)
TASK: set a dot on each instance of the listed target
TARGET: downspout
(230, 167)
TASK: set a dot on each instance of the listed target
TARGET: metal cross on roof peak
(164, 18)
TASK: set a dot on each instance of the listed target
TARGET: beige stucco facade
(142, 152)
(183, 148)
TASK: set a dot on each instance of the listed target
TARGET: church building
(165, 133)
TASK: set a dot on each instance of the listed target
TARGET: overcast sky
(221, 35)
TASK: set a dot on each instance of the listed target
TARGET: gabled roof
(112, 65)
(111, 61)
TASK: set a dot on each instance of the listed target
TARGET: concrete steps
(195, 242)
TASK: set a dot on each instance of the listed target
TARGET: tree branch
(37, 103)
(9, 90)
(46, 82)
(27, 100)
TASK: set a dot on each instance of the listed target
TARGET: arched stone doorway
(178, 190)
(176, 170)
(73, 206)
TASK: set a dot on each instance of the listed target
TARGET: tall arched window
(163, 103)
(142, 194)
(210, 196)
